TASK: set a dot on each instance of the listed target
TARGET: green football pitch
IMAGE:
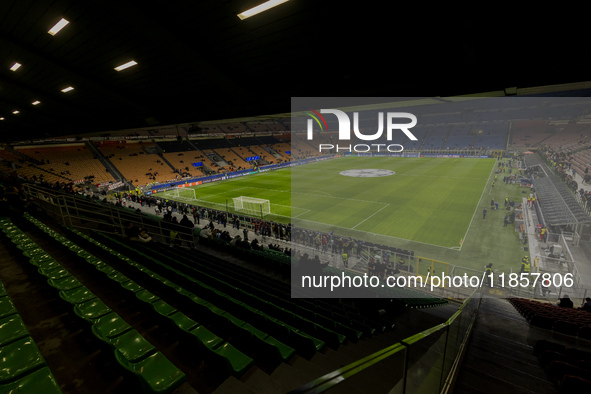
(432, 206)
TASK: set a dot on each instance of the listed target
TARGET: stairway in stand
(499, 357)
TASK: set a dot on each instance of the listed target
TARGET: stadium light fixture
(66, 90)
(15, 66)
(260, 8)
(1, 118)
(16, 112)
(126, 65)
(58, 26)
(36, 102)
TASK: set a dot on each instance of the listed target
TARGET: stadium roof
(197, 61)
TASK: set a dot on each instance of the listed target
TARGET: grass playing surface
(427, 200)
(429, 205)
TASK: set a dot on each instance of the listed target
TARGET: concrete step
(291, 377)
(232, 386)
(262, 383)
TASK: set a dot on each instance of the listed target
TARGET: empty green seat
(109, 326)
(47, 264)
(271, 344)
(132, 286)
(217, 312)
(183, 322)
(233, 319)
(18, 358)
(119, 277)
(285, 352)
(17, 236)
(67, 283)
(91, 310)
(84, 254)
(132, 346)
(206, 338)
(172, 285)
(32, 252)
(12, 328)
(6, 307)
(54, 273)
(93, 260)
(107, 269)
(26, 244)
(40, 381)
(73, 247)
(236, 361)
(36, 260)
(155, 373)
(163, 308)
(146, 296)
(77, 295)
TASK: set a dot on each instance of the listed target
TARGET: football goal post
(183, 193)
(251, 205)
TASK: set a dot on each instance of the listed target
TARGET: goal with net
(183, 193)
(251, 205)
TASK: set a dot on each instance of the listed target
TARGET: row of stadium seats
(131, 350)
(568, 321)
(530, 133)
(182, 325)
(136, 165)
(245, 302)
(22, 367)
(75, 161)
(568, 368)
(569, 136)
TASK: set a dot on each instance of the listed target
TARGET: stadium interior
(105, 288)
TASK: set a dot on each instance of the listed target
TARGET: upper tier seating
(137, 166)
(74, 162)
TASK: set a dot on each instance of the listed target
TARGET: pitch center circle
(369, 173)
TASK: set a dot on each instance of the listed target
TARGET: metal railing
(424, 363)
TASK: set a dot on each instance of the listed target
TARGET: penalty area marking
(370, 216)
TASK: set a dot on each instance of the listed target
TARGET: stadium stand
(233, 128)
(568, 367)
(530, 133)
(73, 161)
(459, 138)
(23, 367)
(435, 137)
(492, 136)
(569, 136)
(135, 164)
(567, 321)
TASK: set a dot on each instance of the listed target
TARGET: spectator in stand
(587, 305)
(565, 302)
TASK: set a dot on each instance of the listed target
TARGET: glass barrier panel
(384, 376)
(425, 362)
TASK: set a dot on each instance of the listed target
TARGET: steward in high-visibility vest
(525, 267)
(487, 278)
(345, 260)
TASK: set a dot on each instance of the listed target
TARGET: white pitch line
(376, 234)
(477, 206)
(373, 214)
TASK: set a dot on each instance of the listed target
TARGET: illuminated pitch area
(427, 200)
(432, 206)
